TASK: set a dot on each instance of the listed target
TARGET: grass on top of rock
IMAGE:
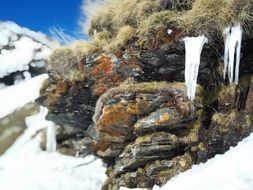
(192, 16)
(64, 62)
(152, 86)
(117, 22)
(207, 16)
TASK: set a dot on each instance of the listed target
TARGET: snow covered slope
(21, 48)
(26, 167)
(16, 96)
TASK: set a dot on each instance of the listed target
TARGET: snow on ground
(21, 47)
(26, 167)
(16, 96)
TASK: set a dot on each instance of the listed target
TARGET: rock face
(140, 125)
(147, 132)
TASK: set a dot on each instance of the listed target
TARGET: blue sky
(40, 15)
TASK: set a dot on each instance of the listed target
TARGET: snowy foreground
(26, 167)
(16, 96)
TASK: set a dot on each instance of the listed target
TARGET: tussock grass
(193, 17)
(125, 33)
(157, 20)
(227, 91)
(224, 119)
(207, 16)
(64, 61)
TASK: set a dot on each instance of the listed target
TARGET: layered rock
(140, 126)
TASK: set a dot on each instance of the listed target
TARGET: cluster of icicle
(233, 40)
(193, 48)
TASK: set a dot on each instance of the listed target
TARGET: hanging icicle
(193, 48)
(51, 131)
(233, 40)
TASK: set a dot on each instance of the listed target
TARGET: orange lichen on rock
(165, 117)
(104, 64)
(114, 115)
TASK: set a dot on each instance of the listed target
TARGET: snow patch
(26, 167)
(9, 27)
(20, 47)
(16, 96)
(193, 48)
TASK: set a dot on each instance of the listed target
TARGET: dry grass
(192, 135)
(194, 17)
(227, 91)
(157, 20)
(125, 33)
(207, 16)
(64, 61)
(119, 21)
(224, 120)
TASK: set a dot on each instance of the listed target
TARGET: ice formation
(233, 40)
(193, 48)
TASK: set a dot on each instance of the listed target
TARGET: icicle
(51, 137)
(51, 131)
(226, 50)
(233, 40)
(193, 48)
